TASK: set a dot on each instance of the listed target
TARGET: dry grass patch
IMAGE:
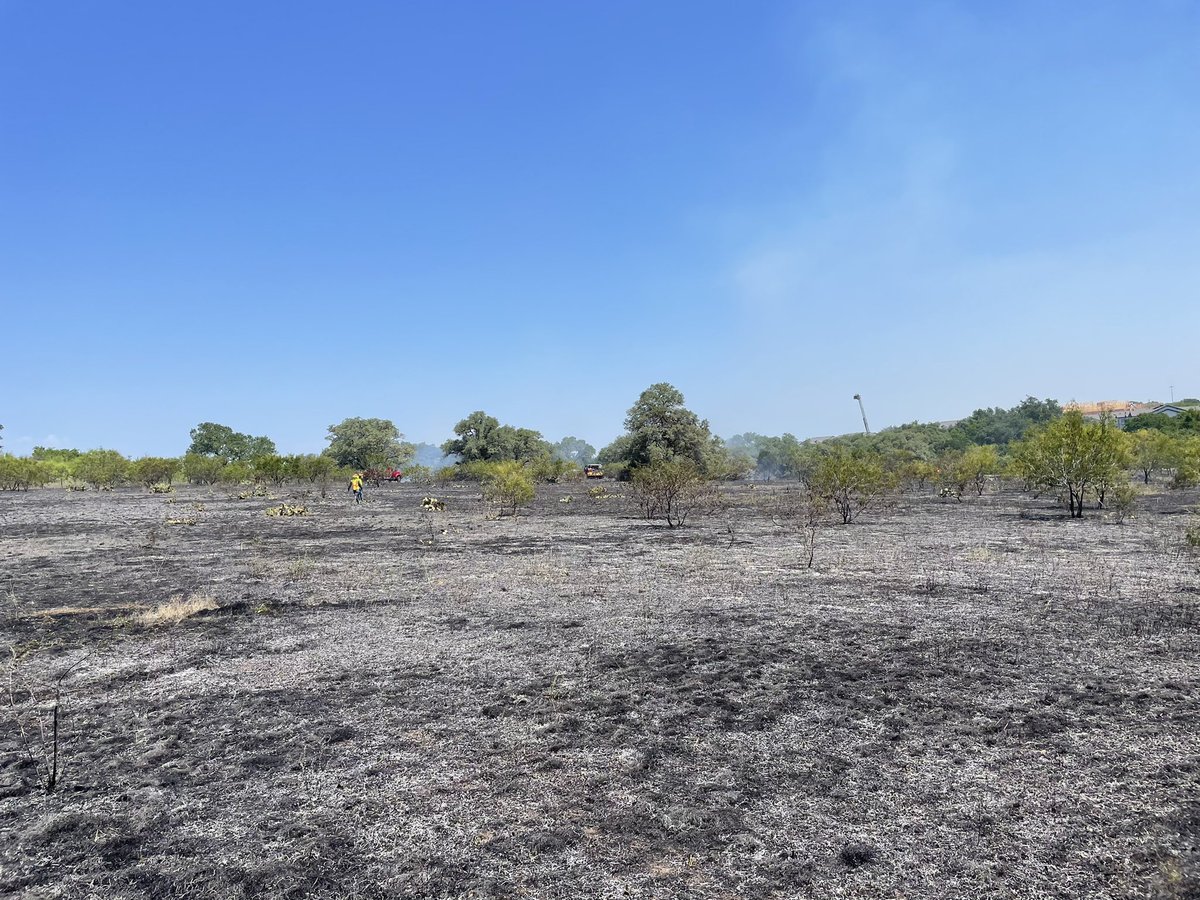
(57, 611)
(176, 609)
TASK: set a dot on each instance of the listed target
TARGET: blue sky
(277, 215)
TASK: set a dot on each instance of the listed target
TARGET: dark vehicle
(593, 471)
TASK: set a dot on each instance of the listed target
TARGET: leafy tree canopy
(1187, 422)
(1074, 456)
(368, 444)
(48, 453)
(211, 439)
(481, 438)
(661, 428)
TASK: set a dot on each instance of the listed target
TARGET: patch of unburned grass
(176, 609)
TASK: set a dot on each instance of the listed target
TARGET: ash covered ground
(976, 699)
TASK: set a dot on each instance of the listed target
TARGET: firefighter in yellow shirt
(356, 483)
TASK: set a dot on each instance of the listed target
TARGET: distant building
(1169, 409)
(1118, 410)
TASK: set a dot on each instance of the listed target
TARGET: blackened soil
(958, 699)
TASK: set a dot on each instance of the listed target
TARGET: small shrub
(672, 490)
(554, 471)
(509, 486)
(433, 504)
(805, 513)
(287, 509)
(851, 483)
(1185, 478)
(1122, 499)
(1191, 535)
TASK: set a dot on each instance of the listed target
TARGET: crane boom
(862, 409)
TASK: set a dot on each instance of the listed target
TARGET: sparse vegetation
(177, 609)
(853, 484)
(528, 659)
(286, 510)
(672, 490)
(509, 485)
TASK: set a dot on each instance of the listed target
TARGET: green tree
(779, 457)
(481, 438)
(661, 428)
(1153, 451)
(211, 439)
(474, 441)
(273, 468)
(918, 472)
(851, 483)
(237, 472)
(49, 453)
(368, 444)
(1002, 426)
(198, 468)
(975, 465)
(102, 469)
(1187, 462)
(1072, 456)
(19, 473)
(152, 470)
(1187, 422)
(616, 452)
(552, 470)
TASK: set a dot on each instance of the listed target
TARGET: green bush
(235, 473)
(852, 483)
(273, 468)
(509, 485)
(465, 471)
(199, 468)
(552, 471)
(19, 473)
(1122, 500)
(102, 469)
(151, 470)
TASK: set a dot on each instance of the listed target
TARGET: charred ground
(982, 698)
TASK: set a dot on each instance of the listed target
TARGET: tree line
(669, 454)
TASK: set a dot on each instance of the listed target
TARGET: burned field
(381, 701)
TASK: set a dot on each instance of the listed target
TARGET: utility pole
(1172, 393)
(863, 410)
